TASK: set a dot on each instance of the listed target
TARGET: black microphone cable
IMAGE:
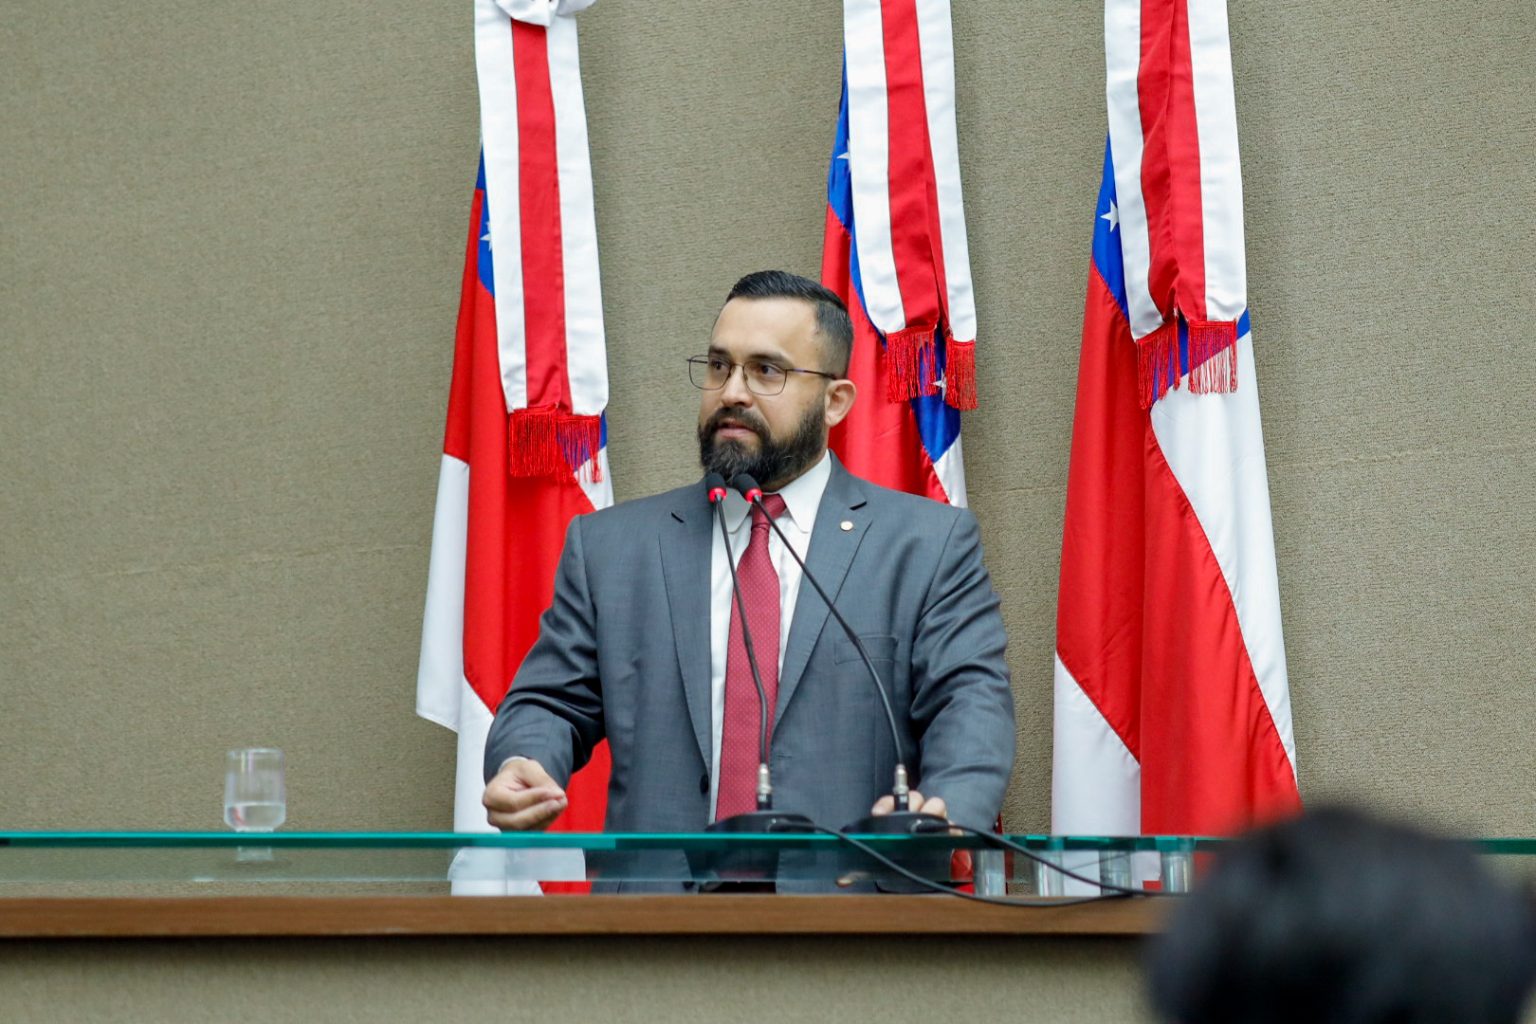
(1004, 843)
(950, 890)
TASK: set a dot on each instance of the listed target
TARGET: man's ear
(839, 400)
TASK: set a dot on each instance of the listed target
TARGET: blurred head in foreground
(1336, 918)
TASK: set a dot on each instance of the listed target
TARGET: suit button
(704, 784)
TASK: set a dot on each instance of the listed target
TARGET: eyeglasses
(710, 373)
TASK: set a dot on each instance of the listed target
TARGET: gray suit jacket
(623, 654)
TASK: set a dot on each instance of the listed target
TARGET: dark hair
(832, 322)
(1337, 918)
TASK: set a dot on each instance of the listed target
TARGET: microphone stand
(901, 820)
(765, 818)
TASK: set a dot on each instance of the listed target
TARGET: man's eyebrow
(774, 356)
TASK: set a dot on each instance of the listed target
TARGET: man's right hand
(522, 797)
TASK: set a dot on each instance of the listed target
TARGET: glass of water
(255, 795)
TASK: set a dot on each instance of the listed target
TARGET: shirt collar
(802, 499)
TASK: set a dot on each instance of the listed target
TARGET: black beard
(775, 463)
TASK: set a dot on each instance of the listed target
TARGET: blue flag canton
(1106, 236)
(483, 259)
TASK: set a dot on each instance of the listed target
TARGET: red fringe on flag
(580, 439)
(545, 441)
(1157, 362)
(960, 374)
(531, 443)
(1212, 356)
(909, 363)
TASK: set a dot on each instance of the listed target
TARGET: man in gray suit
(640, 645)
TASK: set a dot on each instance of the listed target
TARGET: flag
(525, 448)
(895, 249)
(1172, 708)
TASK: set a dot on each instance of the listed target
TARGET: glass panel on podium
(335, 863)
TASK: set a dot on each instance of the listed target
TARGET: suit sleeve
(962, 706)
(553, 712)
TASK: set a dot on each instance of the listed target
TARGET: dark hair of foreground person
(1338, 918)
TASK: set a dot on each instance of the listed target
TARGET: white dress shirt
(802, 498)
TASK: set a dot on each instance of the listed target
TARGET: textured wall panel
(230, 240)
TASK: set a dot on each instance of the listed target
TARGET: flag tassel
(1212, 356)
(532, 442)
(960, 374)
(1157, 362)
(580, 438)
(909, 355)
(546, 441)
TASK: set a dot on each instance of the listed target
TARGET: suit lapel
(831, 553)
(685, 553)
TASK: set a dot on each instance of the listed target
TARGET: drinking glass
(255, 796)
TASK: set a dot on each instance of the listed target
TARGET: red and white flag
(895, 249)
(1172, 702)
(525, 448)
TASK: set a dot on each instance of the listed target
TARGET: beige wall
(617, 981)
(230, 241)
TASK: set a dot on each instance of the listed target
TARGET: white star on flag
(1113, 216)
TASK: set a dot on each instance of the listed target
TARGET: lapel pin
(846, 525)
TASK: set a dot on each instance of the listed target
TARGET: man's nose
(735, 390)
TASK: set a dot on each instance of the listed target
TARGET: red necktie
(739, 730)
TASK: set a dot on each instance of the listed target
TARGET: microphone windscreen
(748, 487)
(714, 487)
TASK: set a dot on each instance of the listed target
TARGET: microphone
(765, 818)
(900, 820)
